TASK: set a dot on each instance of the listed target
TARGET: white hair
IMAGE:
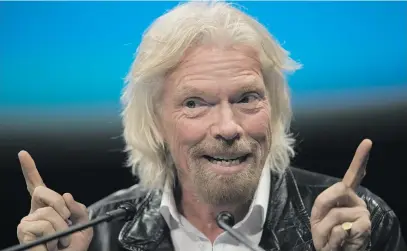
(161, 49)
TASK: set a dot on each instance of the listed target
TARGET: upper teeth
(224, 158)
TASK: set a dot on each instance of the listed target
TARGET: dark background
(90, 165)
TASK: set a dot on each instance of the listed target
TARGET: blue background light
(71, 57)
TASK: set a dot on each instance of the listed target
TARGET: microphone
(225, 220)
(126, 211)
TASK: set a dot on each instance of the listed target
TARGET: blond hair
(163, 44)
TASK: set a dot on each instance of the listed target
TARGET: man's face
(215, 117)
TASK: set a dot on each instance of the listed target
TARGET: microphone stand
(125, 211)
(225, 220)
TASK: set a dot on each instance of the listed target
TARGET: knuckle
(40, 213)
(363, 213)
(28, 238)
(367, 223)
(314, 213)
(58, 202)
(20, 229)
(362, 203)
(45, 211)
(320, 200)
(37, 193)
(340, 186)
(363, 227)
(366, 212)
(84, 208)
(24, 219)
(48, 226)
(23, 235)
(317, 233)
(336, 213)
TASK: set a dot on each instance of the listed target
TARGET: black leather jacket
(287, 225)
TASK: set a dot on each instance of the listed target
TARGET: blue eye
(248, 98)
(192, 103)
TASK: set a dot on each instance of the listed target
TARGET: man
(206, 122)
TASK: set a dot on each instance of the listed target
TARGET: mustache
(221, 147)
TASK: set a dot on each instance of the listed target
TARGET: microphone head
(225, 217)
(130, 209)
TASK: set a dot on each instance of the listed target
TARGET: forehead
(207, 66)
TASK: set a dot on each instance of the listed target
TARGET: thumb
(79, 212)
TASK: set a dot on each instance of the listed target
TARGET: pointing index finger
(357, 169)
(31, 175)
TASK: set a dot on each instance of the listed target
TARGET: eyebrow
(243, 87)
(254, 87)
(190, 90)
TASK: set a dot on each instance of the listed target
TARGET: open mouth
(226, 161)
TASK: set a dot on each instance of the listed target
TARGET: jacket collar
(286, 219)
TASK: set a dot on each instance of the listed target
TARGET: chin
(226, 183)
(227, 190)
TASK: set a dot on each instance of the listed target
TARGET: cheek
(257, 126)
(183, 133)
(190, 132)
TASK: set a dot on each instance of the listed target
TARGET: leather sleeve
(386, 233)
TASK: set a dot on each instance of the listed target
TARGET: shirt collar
(255, 217)
(168, 208)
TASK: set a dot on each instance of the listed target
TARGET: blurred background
(62, 66)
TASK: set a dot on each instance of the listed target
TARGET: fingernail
(21, 153)
(69, 198)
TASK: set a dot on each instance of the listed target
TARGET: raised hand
(340, 219)
(50, 212)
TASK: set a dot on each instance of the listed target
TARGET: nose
(226, 127)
